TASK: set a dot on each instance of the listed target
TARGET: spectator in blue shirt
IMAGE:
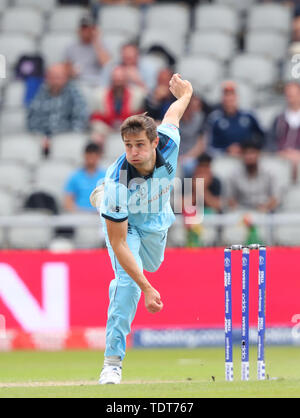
(81, 184)
(228, 127)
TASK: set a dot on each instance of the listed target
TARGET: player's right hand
(179, 87)
(152, 300)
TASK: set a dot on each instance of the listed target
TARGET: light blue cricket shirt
(144, 201)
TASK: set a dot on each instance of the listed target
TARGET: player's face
(139, 150)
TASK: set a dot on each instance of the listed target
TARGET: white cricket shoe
(110, 375)
(97, 196)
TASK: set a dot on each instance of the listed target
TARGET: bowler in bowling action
(134, 203)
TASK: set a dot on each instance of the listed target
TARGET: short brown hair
(138, 123)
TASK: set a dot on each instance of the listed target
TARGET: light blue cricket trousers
(124, 294)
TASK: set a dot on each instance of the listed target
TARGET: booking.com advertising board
(58, 301)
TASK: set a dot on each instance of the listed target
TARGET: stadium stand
(207, 43)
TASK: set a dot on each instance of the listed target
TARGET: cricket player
(135, 209)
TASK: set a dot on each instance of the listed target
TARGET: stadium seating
(120, 19)
(53, 46)
(51, 176)
(267, 114)
(172, 16)
(27, 237)
(257, 70)
(207, 48)
(291, 201)
(223, 167)
(44, 5)
(68, 147)
(173, 42)
(113, 146)
(2, 238)
(20, 148)
(269, 16)
(213, 43)
(280, 168)
(88, 236)
(14, 95)
(203, 72)
(13, 121)
(14, 176)
(262, 43)
(8, 203)
(287, 235)
(3, 5)
(13, 46)
(66, 19)
(23, 20)
(239, 5)
(216, 17)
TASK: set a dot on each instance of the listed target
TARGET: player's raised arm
(183, 91)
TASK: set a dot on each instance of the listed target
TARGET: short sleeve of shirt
(114, 203)
(70, 186)
(168, 133)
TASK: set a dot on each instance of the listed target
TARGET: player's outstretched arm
(117, 233)
(183, 91)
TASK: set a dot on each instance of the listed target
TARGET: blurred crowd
(129, 84)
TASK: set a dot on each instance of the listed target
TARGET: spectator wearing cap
(81, 183)
(58, 106)
(284, 137)
(251, 186)
(87, 57)
(138, 73)
(228, 126)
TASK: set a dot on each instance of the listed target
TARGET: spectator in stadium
(159, 100)
(192, 138)
(228, 126)
(284, 137)
(58, 107)
(251, 186)
(207, 194)
(115, 104)
(138, 72)
(81, 183)
(86, 58)
(212, 185)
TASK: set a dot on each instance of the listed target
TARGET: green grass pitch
(160, 373)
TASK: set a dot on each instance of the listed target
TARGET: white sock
(113, 361)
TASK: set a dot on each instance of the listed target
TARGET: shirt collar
(132, 172)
